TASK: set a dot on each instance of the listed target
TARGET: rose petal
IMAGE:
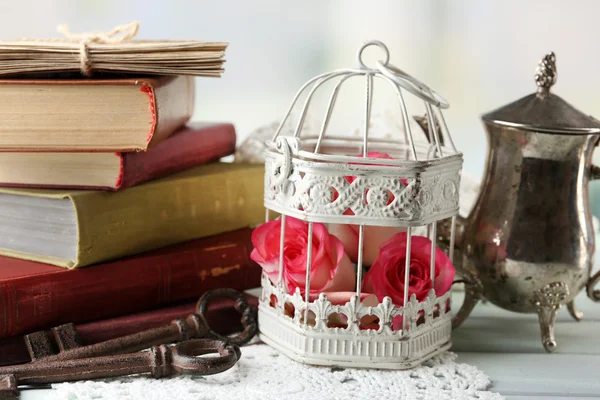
(397, 322)
(445, 277)
(326, 249)
(348, 237)
(367, 284)
(374, 237)
(345, 277)
(386, 276)
(260, 233)
(271, 267)
(295, 224)
(374, 154)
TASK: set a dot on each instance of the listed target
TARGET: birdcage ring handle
(413, 85)
(377, 43)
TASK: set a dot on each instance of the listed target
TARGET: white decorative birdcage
(305, 179)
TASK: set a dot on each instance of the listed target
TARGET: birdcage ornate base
(348, 350)
(383, 348)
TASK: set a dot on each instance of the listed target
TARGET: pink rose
(374, 236)
(386, 275)
(331, 269)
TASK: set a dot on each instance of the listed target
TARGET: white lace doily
(263, 374)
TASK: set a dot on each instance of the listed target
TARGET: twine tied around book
(118, 34)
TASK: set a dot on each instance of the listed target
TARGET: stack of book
(113, 203)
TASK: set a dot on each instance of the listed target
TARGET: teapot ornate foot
(547, 316)
(575, 313)
(547, 301)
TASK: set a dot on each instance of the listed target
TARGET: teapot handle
(595, 172)
(594, 280)
(473, 293)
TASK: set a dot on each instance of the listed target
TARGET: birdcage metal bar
(432, 128)
(308, 268)
(369, 96)
(433, 239)
(446, 130)
(452, 239)
(432, 151)
(359, 261)
(405, 121)
(309, 97)
(412, 85)
(406, 275)
(404, 113)
(299, 93)
(330, 107)
(281, 252)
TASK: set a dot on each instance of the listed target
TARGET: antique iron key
(159, 361)
(181, 329)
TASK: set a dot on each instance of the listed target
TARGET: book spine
(171, 106)
(194, 145)
(128, 286)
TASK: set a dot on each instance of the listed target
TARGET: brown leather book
(221, 316)
(36, 296)
(116, 115)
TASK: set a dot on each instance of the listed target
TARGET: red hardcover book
(195, 144)
(36, 296)
(221, 316)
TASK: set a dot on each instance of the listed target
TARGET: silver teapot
(528, 244)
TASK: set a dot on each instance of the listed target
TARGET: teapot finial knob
(545, 74)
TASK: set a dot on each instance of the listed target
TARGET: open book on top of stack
(101, 166)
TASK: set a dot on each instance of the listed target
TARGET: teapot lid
(544, 111)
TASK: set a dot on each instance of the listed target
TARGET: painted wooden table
(507, 347)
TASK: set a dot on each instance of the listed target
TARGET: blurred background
(479, 55)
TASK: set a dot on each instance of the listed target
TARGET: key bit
(194, 326)
(160, 361)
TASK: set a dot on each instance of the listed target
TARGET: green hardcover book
(77, 228)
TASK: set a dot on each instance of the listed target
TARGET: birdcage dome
(307, 171)
(363, 181)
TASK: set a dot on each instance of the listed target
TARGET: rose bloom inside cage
(332, 272)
